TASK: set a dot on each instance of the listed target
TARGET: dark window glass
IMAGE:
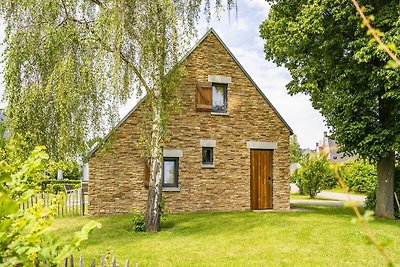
(207, 155)
(170, 177)
(219, 98)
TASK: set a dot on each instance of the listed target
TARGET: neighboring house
(228, 150)
(329, 147)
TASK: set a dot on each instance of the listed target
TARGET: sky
(240, 32)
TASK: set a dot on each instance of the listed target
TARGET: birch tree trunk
(153, 212)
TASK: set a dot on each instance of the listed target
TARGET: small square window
(207, 156)
(219, 92)
(171, 170)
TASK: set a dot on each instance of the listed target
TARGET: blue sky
(240, 33)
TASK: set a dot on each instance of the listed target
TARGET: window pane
(219, 98)
(207, 155)
(169, 172)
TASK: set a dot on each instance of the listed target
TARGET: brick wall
(116, 176)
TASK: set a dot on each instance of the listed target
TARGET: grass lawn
(323, 237)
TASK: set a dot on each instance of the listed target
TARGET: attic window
(219, 98)
(211, 97)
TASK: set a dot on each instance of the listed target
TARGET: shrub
(359, 176)
(138, 222)
(70, 168)
(26, 239)
(314, 175)
(56, 186)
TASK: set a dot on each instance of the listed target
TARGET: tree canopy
(331, 58)
(70, 63)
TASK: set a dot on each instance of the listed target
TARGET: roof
(211, 30)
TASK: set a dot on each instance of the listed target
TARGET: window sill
(207, 166)
(171, 189)
(219, 114)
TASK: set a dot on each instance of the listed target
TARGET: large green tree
(70, 62)
(331, 58)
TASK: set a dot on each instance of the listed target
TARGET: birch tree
(69, 63)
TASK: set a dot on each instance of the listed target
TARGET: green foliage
(314, 174)
(17, 149)
(70, 168)
(359, 176)
(25, 236)
(56, 186)
(294, 149)
(69, 64)
(330, 58)
(138, 222)
(370, 201)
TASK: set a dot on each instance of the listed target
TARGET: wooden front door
(261, 179)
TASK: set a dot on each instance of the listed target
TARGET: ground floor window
(170, 175)
(207, 156)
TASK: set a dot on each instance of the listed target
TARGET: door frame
(254, 205)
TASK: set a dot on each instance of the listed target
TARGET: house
(228, 150)
(329, 147)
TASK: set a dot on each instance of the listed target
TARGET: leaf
(369, 216)
(392, 64)
(84, 232)
(7, 205)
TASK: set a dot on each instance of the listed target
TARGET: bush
(56, 186)
(370, 201)
(26, 239)
(70, 168)
(359, 176)
(314, 175)
(138, 222)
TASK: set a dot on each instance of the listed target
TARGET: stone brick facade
(116, 179)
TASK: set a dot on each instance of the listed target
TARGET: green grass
(323, 237)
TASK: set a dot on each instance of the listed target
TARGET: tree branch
(98, 2)
(374, 33)
(363, 220)
(107, 47)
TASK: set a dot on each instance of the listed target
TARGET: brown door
(261, 179)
